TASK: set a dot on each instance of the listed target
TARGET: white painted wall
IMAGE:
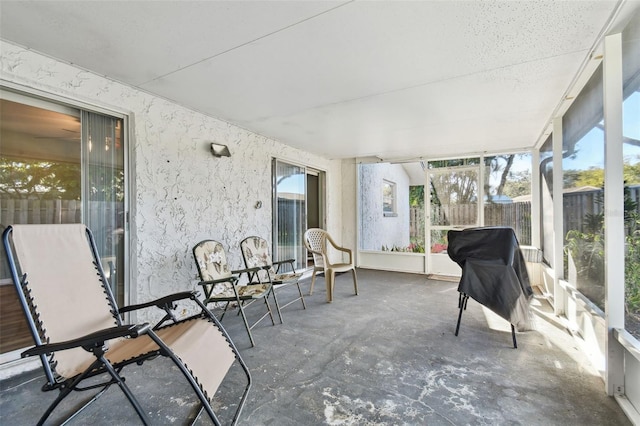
(181, 193)
(349, 207)
(377, 230)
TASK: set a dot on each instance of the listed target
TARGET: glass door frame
(301, 263)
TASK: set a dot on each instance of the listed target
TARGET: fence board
(14, 212)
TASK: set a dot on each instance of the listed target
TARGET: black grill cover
(493, 272)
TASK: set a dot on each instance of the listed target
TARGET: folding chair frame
(242, 301)
(95, 343)
(254, 276)
(462, 305)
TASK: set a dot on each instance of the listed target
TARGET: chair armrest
(283, 262)
(229, 279)
(249, 270)
(160, 303)
(90, 340)
(340, 248)
(337, 247)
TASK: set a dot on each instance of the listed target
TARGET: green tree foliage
(40, 179)
(587, 251)
(416, 196)
(595, 176)
(519, 183)
(510, 183)
(631, 173)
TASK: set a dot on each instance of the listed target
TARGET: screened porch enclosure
(415, 237)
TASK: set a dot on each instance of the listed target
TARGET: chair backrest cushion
(64, 286)
(255, 252)
(211, 260)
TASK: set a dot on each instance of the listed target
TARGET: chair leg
(273, 291)
(313, 281)
(116, 377)
(63, 393)
(246, 324)
(301, 297)
(90, 401)
(72, 386)
(225, 310)
(513, 336)
(462, 304)
(330, 277)
(355, 280)
(187, 374)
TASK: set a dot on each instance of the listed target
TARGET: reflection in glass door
(103, 193)
(453, 204)
(289, 219)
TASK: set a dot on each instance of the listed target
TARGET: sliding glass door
(103, 192)
(59, 164)
(298, 203)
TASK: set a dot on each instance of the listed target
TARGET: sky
(591, 146)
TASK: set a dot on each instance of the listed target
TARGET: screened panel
(631, 170)
(507, 193)
(583, 191)
(454, 197)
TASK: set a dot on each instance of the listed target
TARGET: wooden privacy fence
(514, 215)
(576, 208)
(577, 205)
(416, 222)
(454, 214)
(14, 211)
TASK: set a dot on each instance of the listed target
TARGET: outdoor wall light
(218, 150)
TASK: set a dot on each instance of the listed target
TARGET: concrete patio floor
(385, 357)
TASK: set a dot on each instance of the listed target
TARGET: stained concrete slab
(385, 357)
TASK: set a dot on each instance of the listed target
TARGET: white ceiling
(343, 79)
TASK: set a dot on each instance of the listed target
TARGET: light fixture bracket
(219, 150)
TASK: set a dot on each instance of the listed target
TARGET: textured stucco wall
(181, 193)
(377, 230)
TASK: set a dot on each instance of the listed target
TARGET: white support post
(481, 193)
(536, 218)
(427, 221)
(613, 212)
(560, 298)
